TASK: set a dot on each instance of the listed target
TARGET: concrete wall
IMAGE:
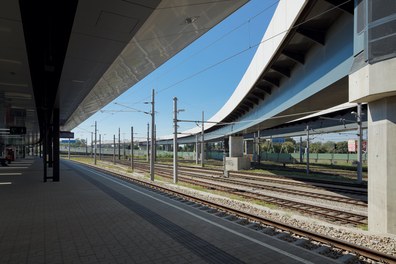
(382, 165)
(373, 82)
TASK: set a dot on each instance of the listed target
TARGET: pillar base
(237, 163)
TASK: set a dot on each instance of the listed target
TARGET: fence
(126, 152)
(332, 158)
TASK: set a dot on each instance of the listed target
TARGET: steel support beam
(55, 145)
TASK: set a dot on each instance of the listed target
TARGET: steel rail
(334, 242)
(315, 210)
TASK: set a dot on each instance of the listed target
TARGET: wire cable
(249, 48)
(207, 47)
(239, 53)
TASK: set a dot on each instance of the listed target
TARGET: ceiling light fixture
(190, 20)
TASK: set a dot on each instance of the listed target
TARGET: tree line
(289, 146)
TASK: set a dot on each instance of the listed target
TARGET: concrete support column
(382, 165)
(249, 147)
(226, 143)
(235, 146)
(235, 160)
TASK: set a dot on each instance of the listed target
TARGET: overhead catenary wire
(239, 53)
(246, 49)
(258, 119)
(204, 48)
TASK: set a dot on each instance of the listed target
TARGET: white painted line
(11, 167)
(5, 183)
(280, 251)
(10, 173)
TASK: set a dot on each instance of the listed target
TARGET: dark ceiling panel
(47, 26)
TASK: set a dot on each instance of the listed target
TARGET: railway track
(263, 180)
(345, 188)
(290, 233)
(328, 214)
(258, 185)
(348, 188)
(334, 186)
(210, 179)
(262, 183)
(314, 168)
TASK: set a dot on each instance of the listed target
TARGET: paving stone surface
(86, 218)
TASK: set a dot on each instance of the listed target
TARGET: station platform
(90, 217)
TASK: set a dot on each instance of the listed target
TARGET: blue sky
(187, 77)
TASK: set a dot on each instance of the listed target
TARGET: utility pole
(359, 146)
(254, 147)
(301, 153)
(196, 150)
(203, 141)
(119, 143)
(114, 149)
(91, 144)
(95, 144)
(307, 149)
(155, 143)
(152, 137)
(132, 148)
(148, 142)
(104, 144)
(175, 178)
(100, 146)
(123, 147)
(258, 148)
(68, 151)
(86, 147)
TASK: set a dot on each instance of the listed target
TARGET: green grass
(363, 227)
(265, 204)
(195, 187)
(82, 159)
(311, 175)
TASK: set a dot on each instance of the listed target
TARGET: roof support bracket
(258, 93)
(295, 56)
(347, 6)
(315, 35)
(272, 81)
(253, 100)
(267, 89)
(285, 72)
(248, 104)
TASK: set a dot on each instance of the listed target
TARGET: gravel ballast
(385, 243)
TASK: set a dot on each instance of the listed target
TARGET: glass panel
(382, 30)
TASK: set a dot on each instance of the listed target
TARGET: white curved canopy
(284, 17)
